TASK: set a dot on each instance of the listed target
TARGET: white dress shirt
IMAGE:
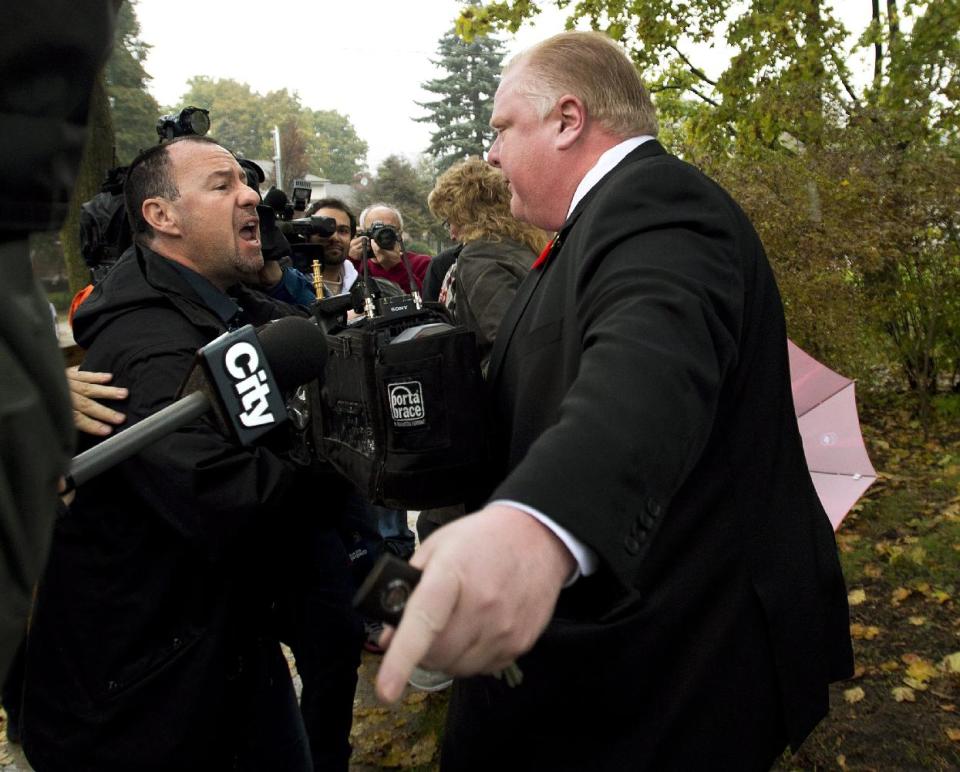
(586, 558)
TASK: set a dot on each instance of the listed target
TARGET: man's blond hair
(594, 68)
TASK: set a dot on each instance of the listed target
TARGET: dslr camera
(190, 120)
(386, 236)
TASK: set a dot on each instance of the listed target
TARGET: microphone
(240, 377)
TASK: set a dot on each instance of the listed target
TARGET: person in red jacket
(388, 263)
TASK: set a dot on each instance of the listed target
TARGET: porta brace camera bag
(402, 410)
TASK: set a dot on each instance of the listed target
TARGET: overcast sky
(363, 58)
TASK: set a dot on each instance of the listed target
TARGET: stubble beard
(247, 266)
(333, 258)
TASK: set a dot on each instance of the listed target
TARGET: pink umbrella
(827, 416)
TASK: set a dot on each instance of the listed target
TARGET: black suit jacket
(642, 388)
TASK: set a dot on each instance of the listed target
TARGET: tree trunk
(877, 49)
(98, 157)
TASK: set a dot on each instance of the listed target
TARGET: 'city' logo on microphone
(250, 381)
(406, 404)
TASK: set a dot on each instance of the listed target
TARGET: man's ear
(573, 120)
(161, 216)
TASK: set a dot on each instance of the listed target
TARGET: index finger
(76, 374)
(426, 615)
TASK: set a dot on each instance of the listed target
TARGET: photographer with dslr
(382, 227)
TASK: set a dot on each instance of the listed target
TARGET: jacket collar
(224, 306)
(648, 149)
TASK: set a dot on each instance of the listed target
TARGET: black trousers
(319, 624)
(273, 735)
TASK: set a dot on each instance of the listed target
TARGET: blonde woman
(497, 251)
(473, 198)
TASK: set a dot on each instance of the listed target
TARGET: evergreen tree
(134, 110)
(462, 113)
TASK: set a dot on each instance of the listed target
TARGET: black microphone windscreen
(296, 350)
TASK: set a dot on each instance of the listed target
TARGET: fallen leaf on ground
(865, 632)
(917, 621)
(856, 597)
(854, 695)
(873, 571)
(951, 663)
(948, 707)
(921, 670)
(953, 733)
(903, 694)
(889, 666)
(892, 551)
(899, 595)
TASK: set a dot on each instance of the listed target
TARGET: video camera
(298, 232)
(190, 120)
(401, 412)
(304, 227)
(300, 196)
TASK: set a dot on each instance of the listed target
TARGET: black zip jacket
(154, 611)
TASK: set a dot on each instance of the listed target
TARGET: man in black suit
(655, 554)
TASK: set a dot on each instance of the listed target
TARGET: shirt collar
(349, 275)
(605, 164)
(219, 302)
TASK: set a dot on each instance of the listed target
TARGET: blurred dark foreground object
(49, 55)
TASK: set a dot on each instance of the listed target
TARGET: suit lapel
(510, 320)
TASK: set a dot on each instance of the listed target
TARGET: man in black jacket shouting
(152, 645)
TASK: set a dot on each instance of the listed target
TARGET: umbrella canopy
(827, 415)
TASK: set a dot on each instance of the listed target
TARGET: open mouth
(250, 231)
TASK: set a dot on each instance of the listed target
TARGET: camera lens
(386, 237)
(197, 120)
